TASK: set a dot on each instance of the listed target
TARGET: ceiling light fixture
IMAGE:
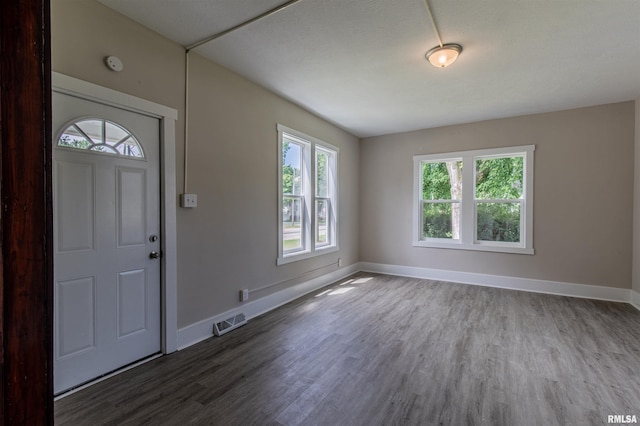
(445, 54)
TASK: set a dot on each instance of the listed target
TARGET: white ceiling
(360, 63)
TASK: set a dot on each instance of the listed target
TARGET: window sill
(475, 247)
(294, 257)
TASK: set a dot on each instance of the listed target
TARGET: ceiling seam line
(433, 21)
(243, 24)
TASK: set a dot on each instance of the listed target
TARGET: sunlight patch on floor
(341, 291)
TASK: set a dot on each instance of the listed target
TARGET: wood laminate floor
(382, 350)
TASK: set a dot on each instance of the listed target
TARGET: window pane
(322, 219)
(114, 133)
(121, 140)
(71, 138)
(498, 222)
(441, 220)
(442, 180)
(89, 135)
(322, 171)
(499, 178)
(291, 167)
(92, 128)
(103, 148)
(292, 223)
(129, 147)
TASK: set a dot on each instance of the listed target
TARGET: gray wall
(583, 195)
(230, 241)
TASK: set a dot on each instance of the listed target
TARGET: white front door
(106, 238)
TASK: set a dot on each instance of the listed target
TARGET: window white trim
(468, 203)
(308, 171)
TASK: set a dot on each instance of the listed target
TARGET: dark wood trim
(26, 278)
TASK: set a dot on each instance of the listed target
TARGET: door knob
(154, 255)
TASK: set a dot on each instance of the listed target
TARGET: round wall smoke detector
(114, 63)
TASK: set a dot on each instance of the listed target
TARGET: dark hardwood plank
(379, 350)
(26, 283)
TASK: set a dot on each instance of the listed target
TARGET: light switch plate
(189, 200)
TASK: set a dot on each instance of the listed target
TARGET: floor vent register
(225, 326)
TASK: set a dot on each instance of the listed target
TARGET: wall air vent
(225, 326)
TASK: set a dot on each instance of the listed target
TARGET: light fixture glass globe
(443, 56)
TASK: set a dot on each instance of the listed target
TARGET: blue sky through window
(293, 156)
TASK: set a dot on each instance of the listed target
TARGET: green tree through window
(442, 191)
(478, 200)
(499, 191)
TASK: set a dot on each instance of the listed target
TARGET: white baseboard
(499, 281)
(202, 330)
(635, 299)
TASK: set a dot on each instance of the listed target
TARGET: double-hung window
(475, 200)
(308, 189)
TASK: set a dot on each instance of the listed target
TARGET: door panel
(106, 202)
(76, 315)
(132, 290)
(131, 195)
(75, 208)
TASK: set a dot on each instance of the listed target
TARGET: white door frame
(169, 261)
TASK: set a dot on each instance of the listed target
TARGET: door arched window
(101, 136)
